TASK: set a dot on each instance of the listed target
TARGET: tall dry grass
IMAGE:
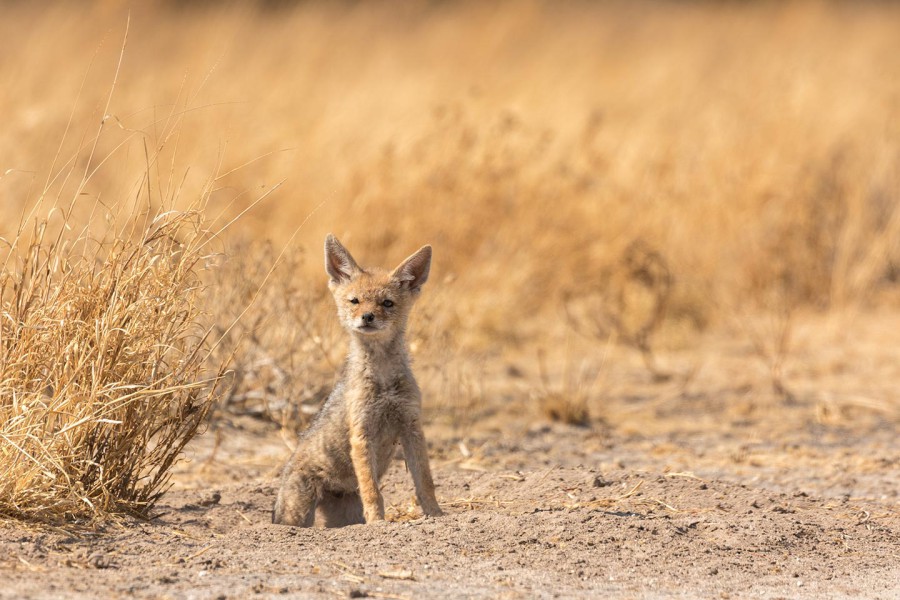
(105, 362)
(103, 370)
(273, 329)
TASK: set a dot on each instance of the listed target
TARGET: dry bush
(103, 374)
(626, 304)
(277, 331)
(769, 334)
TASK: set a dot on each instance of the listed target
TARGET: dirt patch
(551, 532)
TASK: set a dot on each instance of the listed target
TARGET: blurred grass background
(753, 145)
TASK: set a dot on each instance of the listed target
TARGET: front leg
(363, 456)
(415, 451)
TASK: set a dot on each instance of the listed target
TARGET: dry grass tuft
(567, 401)
(102, 367)
(565, 408)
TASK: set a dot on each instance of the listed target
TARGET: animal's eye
(354, 300)
(387, 303)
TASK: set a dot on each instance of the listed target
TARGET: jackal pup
(376, 402)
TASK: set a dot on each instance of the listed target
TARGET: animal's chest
(386, 409)
(388, 399)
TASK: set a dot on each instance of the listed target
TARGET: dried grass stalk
(102, 367)
(276, 330)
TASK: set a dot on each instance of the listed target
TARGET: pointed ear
(413, 272)
(338, 262)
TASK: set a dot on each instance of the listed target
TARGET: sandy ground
(713, 488)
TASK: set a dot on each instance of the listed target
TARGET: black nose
(368, 317)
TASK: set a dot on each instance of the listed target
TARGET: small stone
(598, 481)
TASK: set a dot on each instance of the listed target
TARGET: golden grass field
(652, 221)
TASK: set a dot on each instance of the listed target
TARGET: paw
(374, 517)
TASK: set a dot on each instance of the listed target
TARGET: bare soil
(711, 488)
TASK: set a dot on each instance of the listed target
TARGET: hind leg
(340, 509)
(296, 503)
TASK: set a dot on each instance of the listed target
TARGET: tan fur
(376, 403)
